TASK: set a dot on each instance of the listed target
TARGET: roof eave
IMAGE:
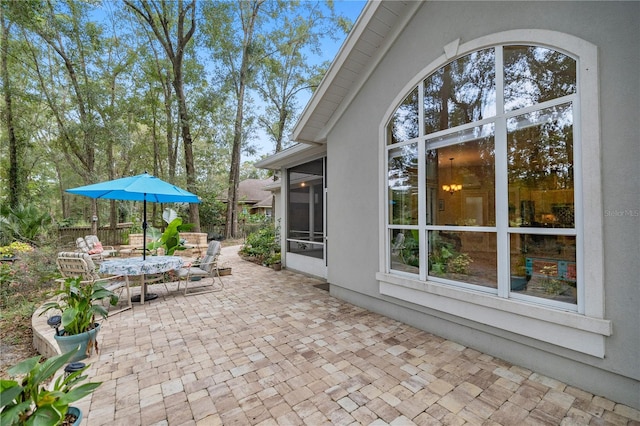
(302, 131)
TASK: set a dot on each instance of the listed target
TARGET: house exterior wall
(355, 209)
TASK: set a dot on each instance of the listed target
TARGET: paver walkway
(271, 348)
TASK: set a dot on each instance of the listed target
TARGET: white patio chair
(80, 265)
(203, 269)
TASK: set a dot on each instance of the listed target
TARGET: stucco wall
(354, 167)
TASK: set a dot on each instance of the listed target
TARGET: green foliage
(30, 401)
(76, 302)
(169, 240)
(24, 223)
(14, 249)
(212, 211)
(262, 245)
(445, 259)
(411, 250)
(23, 282)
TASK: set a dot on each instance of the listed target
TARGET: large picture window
(481, 191)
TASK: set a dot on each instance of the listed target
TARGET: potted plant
(519, 276)
(76, 302)
(275, 261)
(29, 401)
(224, 269)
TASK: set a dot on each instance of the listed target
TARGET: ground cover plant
(24, 286)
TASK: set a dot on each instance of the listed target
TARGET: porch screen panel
(305, 232)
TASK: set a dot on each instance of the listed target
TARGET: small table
(138, 266)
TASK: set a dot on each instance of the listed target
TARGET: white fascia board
(354, 35)
(291, 156)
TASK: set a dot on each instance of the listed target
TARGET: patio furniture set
(115, 272)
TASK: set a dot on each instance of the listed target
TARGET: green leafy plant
(445, 259)
(29, 401)
(24, 223)
(76, 302)
(273, 259)
(262, 244)
(15, 248)
(169, 240)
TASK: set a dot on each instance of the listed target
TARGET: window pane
(306, 209)
(469, 257)
(540, 168)
(403, 185)
(405, 250)
(404, 123)
(536, 74)
(461, 92)
(544, 266)
(461, 179)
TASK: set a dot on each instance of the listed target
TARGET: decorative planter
(277, 266)
(224, 271)
(85, 340)
(518, 283)
(75, 411)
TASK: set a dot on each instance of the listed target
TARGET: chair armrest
(113, 282)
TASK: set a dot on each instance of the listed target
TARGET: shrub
(262, 244)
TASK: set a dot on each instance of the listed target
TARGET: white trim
(560, 328)
(583, 331)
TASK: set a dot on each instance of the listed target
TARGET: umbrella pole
(144, 229)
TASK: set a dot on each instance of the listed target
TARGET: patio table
(133, 266)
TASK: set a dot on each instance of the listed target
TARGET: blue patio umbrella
(144, 187)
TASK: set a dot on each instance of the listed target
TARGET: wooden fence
(119, 236)
(108, 236)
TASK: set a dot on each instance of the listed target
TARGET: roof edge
(354, 35)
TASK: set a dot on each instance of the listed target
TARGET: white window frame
(582, 328)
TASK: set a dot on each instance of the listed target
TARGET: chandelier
(452, 187)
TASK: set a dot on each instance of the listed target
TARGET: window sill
(560, 328)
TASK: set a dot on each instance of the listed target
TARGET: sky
(350, 9)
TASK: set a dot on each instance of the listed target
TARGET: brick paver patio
(273, 349)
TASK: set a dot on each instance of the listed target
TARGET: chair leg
(211, 290)
(128, 290)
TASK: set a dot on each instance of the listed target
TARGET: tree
(17, 189)
(286, 71)
(236, 49)
(163, 20)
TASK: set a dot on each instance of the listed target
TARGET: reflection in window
(535, 74)
(405, 250)
(469, 257)
(404, 123)
(461, 179)
(540, 161)
(477, 163)
(461, 92)
(544, 266)
(403, 185)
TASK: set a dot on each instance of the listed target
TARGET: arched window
(485, 182)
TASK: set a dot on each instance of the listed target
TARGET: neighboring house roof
(252, 191)
(372, 35)
(264, 204)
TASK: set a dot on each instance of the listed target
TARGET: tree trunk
(16, 187)
(234, 172)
